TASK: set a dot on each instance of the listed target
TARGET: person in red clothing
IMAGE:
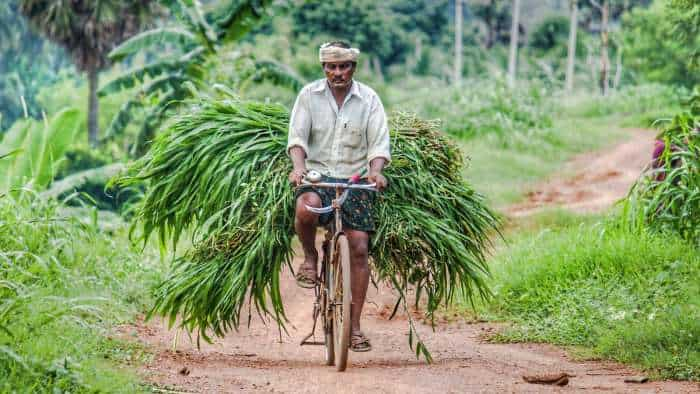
(659, 160)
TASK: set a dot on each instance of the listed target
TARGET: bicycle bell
(313, 176)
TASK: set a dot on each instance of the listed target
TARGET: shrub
(667, 196)
(63, 281)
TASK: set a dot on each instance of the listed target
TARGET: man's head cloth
(335, 52)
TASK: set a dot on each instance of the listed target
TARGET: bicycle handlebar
(333, 185)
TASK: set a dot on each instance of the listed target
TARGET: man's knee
(304, 215)
(359, 245)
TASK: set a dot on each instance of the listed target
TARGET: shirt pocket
(354, 135)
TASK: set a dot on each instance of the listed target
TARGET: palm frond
(99, 175)
(153, 37)
(277, 73)
(240, 17)
(154, 119)
(121, 120)
(137, 76)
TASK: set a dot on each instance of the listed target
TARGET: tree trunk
(458, 42)
(571, 56)
(618, 68)
(378, 68)
(93, 106)
(513, 56)
(604, 58)
(412, 62)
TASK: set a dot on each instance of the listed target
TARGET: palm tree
(88, 29)
(197, 38)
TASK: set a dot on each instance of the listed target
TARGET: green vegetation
(622, 286)
(667, 197)
(629, 296)
(241, 244)
(64, 283)
(172, 79)
(27, 63)
(88, 30)
(31, 150)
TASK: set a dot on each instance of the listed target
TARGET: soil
(257, 360)
(591, 182)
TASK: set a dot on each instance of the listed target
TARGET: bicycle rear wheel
(326, 305)
(341, 297)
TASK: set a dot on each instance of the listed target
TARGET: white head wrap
(328, 53)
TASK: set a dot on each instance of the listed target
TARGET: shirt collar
(323, 85)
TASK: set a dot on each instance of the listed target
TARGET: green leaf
(62, 131)
(277, 73)
(15, 168)
(240, 18)
(153, 37)
(9, 154)
(154, 119)
(125, 115)
(99, 175)
(132, 77)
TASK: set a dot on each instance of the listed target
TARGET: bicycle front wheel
(341, 296)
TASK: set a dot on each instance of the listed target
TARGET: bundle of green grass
(218, 172)
(667, 196)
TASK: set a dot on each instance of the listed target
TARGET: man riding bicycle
(338, 127)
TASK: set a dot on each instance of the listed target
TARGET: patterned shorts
(356, 210)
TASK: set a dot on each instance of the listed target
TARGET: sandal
(360, 343)
(306, 277)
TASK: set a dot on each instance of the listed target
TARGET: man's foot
(359, 342)
(306, 274)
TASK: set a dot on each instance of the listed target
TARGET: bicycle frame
(342, 191)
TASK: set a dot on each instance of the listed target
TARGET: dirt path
(254, 360)
(592, 182)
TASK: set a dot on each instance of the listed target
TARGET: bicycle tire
(329, 339)
(342, 301)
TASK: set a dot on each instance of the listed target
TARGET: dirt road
(591, 182)
(254, 360)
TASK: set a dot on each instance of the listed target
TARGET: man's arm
(378, 144)
(298, 137)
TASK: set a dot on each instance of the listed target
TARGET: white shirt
(339, 142)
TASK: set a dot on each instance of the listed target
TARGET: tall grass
(636, 105)
(667, 198)
(63, 282)
(629, 296)
(480, 108)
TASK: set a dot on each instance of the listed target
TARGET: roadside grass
(65, 281)
(630, 297)
(517, 137)
(504, 173)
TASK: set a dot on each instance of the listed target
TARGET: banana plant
(198, 39)
(31, 149)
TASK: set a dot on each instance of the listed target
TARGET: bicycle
(333, 295)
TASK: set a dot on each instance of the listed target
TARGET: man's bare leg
(305, 223)
(359, 248)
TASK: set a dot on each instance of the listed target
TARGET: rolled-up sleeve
(300, 123)
(378, 144)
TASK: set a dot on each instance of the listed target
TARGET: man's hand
(375, 173)
(296, 176)
(298, 155)
(379, 180)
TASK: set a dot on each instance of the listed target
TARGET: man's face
(339, 74)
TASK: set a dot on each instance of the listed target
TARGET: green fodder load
(219, 172)
(667, 198)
